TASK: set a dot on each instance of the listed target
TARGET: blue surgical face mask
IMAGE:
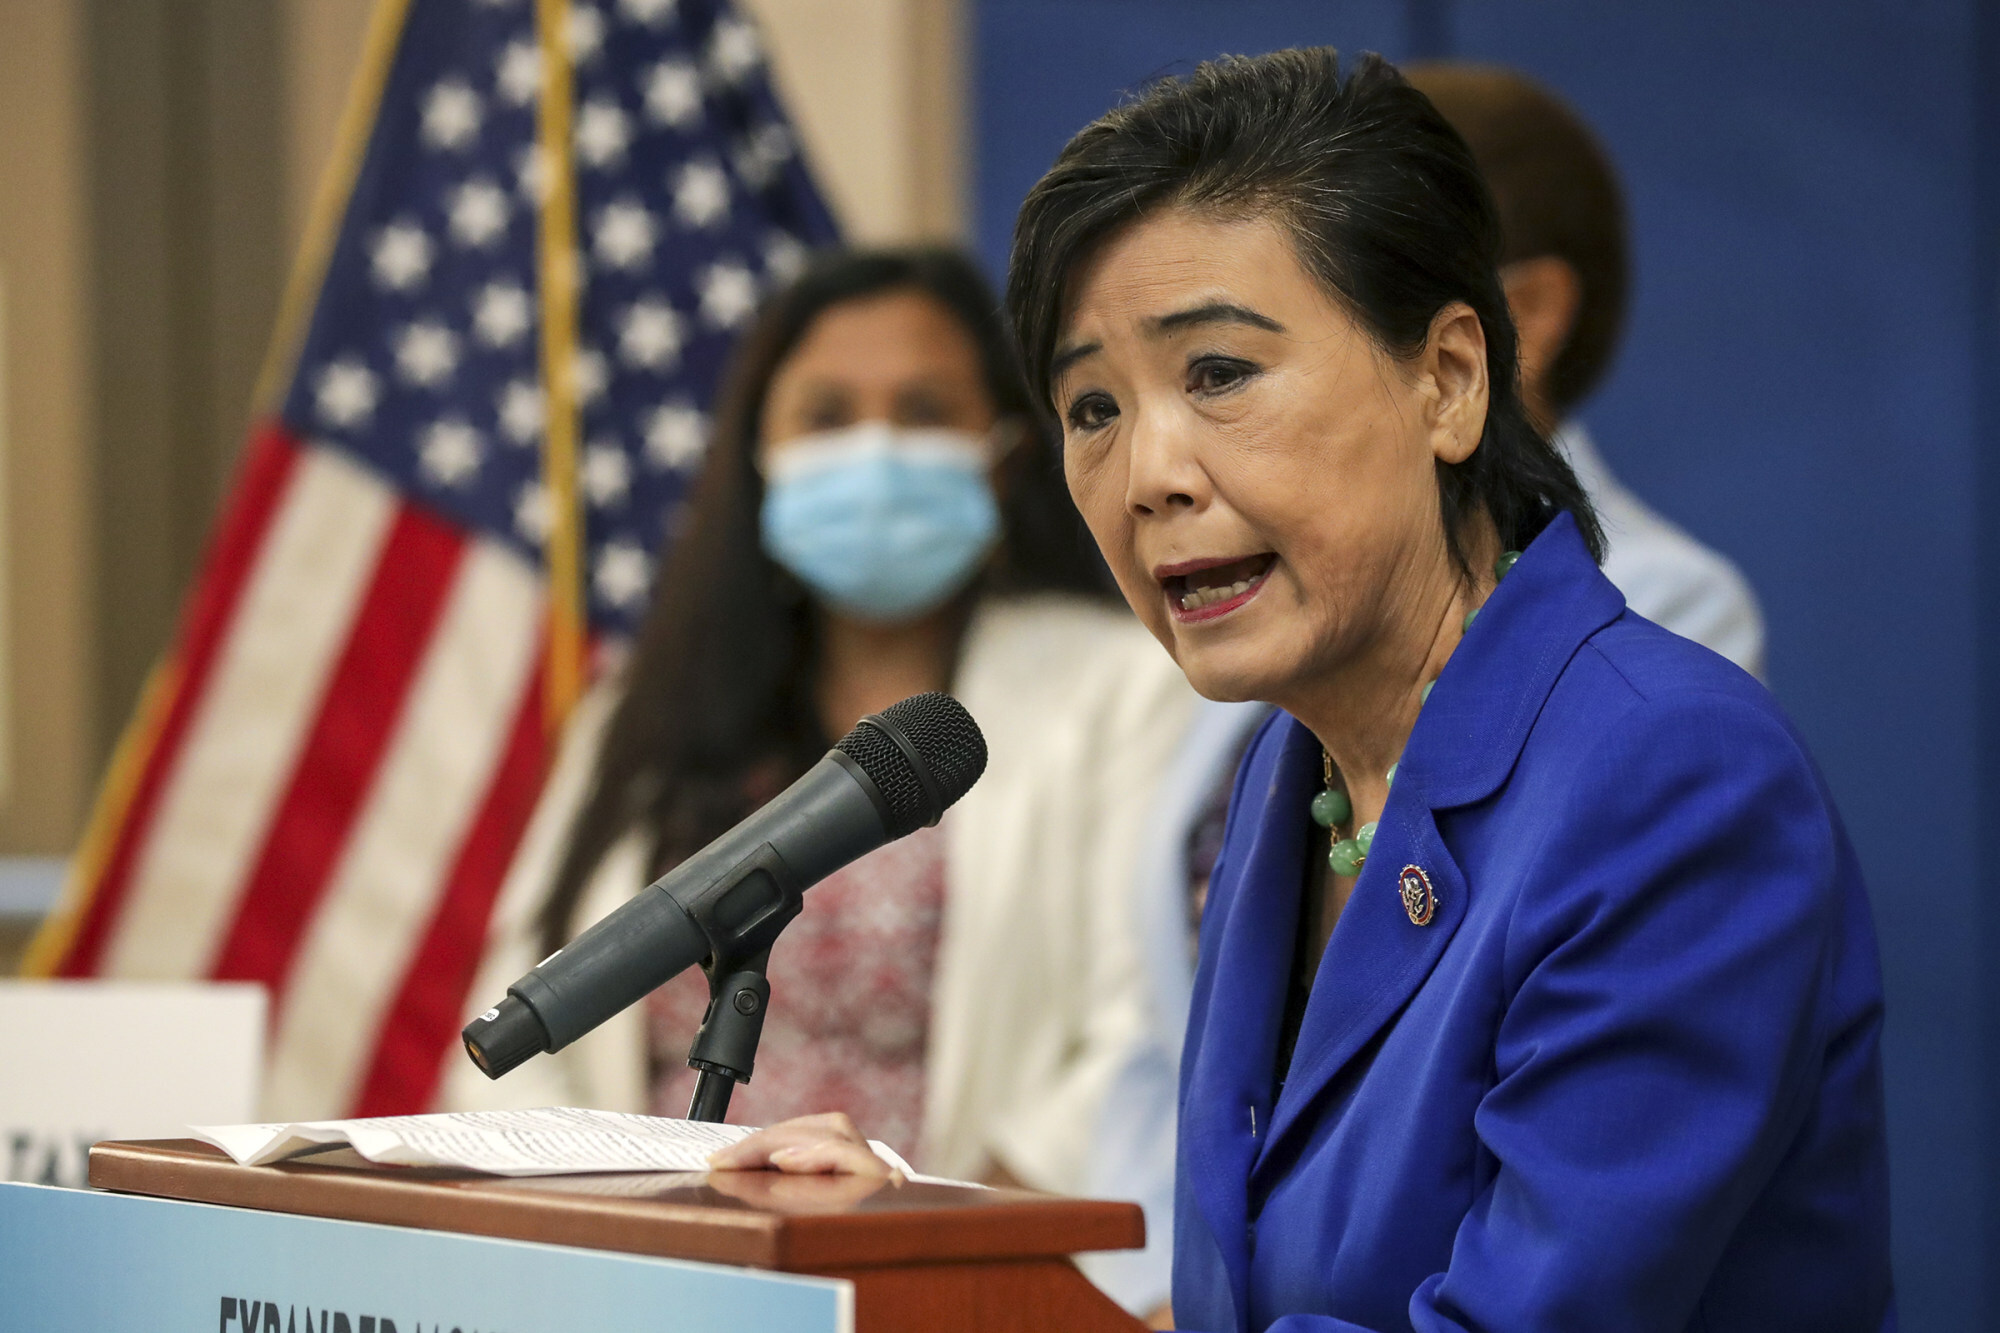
(881, 522)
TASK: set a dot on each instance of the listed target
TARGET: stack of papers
(552, 1141)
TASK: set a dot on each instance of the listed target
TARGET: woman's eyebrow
(1211, 312)
(1215, 312)
(1066, 357)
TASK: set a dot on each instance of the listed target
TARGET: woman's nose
(1164, 473)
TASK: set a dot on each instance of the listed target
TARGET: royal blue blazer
(1594, 1045)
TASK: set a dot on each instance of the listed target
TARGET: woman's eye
(926, 407)
(1216, 374)
(1091, 411)
(826, 416)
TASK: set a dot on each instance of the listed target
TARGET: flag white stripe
(261, 699)
(438, 767)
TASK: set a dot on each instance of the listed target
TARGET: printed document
(552, 1141)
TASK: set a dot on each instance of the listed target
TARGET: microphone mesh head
(946, 741)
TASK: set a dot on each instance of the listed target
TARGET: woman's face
(899, 357)
(1259, 474)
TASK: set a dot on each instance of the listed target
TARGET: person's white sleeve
(1047, 1132)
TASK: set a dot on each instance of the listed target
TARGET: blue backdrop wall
(1808, 383)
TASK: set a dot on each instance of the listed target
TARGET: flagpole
(558, 279)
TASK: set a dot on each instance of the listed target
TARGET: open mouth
(1203, 591)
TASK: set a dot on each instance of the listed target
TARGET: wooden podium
(920, 1257)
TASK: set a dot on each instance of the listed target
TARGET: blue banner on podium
(78, 1262)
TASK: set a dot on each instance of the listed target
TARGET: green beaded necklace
(1331, 807)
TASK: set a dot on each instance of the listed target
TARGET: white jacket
(1040, 990)
(1666, 575)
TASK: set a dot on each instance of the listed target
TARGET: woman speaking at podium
(1537, 989)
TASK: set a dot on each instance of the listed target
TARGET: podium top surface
(757, 1219)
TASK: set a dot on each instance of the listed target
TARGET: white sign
(87, 1060)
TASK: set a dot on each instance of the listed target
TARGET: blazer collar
(1482, 707)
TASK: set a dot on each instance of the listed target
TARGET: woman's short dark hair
(718, 711)
(1381, 199)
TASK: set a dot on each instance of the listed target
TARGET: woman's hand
(820, 1145)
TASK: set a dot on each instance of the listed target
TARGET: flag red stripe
(335, 768)
(270, 459)
(421, 1025)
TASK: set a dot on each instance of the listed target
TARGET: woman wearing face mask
(877, 517)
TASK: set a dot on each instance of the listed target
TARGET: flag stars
(606, 474)
(762, 153)
(400, 258)
(520, 73)
(603, 132)
(648, 13)
(589, 375)
(673, 93)
(676, 436)
(622, 575)
(523, 412)
(531, 172)
(345, 393)
(650, 335)
(534, 515)
(784, 257)
(501, 314)
(452, 112)
(733, 50)
(728, 294)
(426, 353)
(701, 195)
(585, 33)
(450, 452)
(625, 234)
(438, 381)
(479, 213)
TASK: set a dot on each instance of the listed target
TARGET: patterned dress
(850, 1003)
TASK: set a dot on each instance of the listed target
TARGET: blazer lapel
(1382, 949)
(1240, 993)
(1465, 743)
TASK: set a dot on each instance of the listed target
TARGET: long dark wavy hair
(718, 708)
(1385, 207)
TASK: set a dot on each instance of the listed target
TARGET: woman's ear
(1454, 369)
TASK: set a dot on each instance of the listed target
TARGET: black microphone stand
(726, 1047)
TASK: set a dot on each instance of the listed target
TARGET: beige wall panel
(186, 152)
(323, 41)
(43, 256)
(877, 89)
(940, 185)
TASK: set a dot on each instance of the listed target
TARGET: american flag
(328, 776)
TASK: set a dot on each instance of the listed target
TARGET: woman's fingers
(811, 1145)
(831, 1157)
(754, 1152)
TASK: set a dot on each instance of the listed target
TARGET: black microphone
(896, 772)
